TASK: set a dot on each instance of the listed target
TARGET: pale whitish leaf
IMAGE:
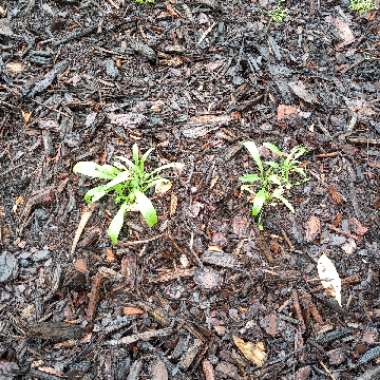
(126, 160)
(162, 186)
(117, 223)
(249, 178)
(254, 152)
(258, 202)
(135, 154)
(278, 195)
(275, 179)
(174, 165)
(274, 149)
(91, 169)
(255, 353)
(145, 206)
(146, 154)
(330, 278)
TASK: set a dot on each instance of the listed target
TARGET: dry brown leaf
(81, 265)
(358, 228)
(51, 371)
(132, 311)
(300, 90)
(313, 228)
(208, 370)
(255, 353)
(110, 256)
(284, 112)
(26, 117)
(330, 278)
(173, 204)
(335, 195)
(85, 217)
(344, 32)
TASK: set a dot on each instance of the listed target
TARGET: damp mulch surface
(204, 294)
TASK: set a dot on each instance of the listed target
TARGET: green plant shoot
(128, 182)
(279, 13)
(362, 6)
(274, 177)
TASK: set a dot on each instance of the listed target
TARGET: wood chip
(313, 228)
(94, 296)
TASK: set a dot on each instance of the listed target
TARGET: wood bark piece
(190, 355)
(146, 335)
(208, 370)
(94, 296)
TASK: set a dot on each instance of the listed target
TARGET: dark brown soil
(193, 80)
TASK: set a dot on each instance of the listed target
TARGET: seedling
(279, 13)
(129, 183)
(142, 2)
(274, 177)
(362, 6)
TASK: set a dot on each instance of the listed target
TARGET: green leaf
(135, 154)
(300, 171)
(296, 152)
(120, 178)
(124, 159)
(146, 154)
(174, 165)
(95, 194)
(258, 202)
(249, 178)
(254, 152)
(278, 195)
(117, 223)
(273, 164)
(273, 178)
(274, 149)
(92, 169)
(145, 206)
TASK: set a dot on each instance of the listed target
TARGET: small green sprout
(279, 13)
(129, 182)
(142, 2)
(274, 177)
(362, 6)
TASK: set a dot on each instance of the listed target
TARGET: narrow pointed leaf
(275, 179)
(95, 194)
(120, 178)
(254, 152)
(258, 202)
(145, 206)
(278, 195)
(249, 178)
(274, 149)
(174, 165)
(116, 224)
(146, 154)
(91, 169)
(135, 154)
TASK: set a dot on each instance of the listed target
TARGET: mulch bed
(85, 80)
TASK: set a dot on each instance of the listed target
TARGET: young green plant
(273, 178)
(129, 182)
(362, 6)
(279, 13)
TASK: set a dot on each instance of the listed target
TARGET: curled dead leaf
(313, 228)
(335, 195)
(330, 278)
(255, 353)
